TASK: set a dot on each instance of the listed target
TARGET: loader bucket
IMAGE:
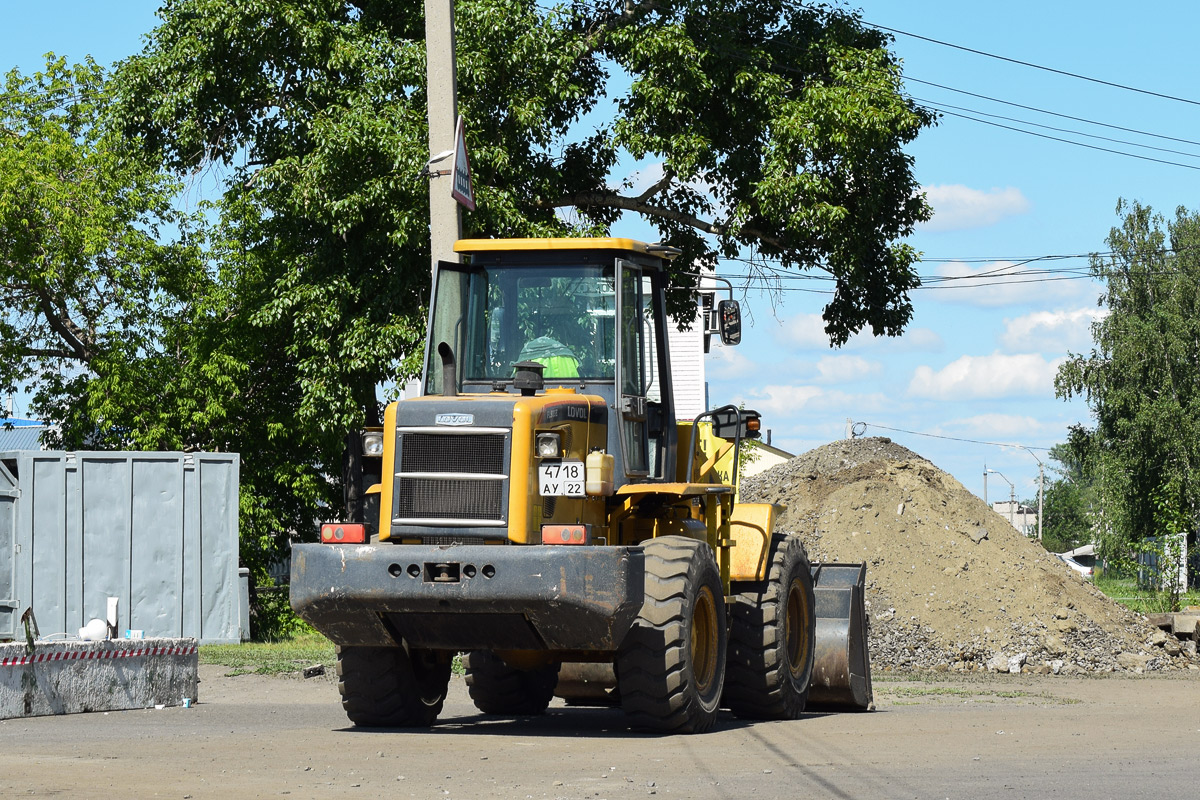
(841, 678)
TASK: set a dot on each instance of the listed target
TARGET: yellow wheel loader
(541, 509)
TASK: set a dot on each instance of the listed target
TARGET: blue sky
(977, 362)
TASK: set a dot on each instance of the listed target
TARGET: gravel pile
(950, 584)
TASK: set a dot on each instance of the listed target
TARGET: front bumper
(466, 597)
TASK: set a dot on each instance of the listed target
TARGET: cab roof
(605, 243)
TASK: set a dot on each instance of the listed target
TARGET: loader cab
(590, 312)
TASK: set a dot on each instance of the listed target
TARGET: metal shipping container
(157, 530)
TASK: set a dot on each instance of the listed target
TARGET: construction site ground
(999, 673)
(975, 736)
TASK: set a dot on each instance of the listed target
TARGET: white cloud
(728, 363)
(846, 369)
(783, 401)
(914, 340)
(997, 375)
(723, 364)
(957, 207)
(1000, 283)
(1051, 331)
(807, 332)
(995, 427)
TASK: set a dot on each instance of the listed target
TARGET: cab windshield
(495, 317)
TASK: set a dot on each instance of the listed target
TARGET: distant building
(765, 457)
(17, 435)
(1022, 517)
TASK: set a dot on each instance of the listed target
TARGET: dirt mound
(950, 583)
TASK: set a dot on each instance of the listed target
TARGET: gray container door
(8, 541)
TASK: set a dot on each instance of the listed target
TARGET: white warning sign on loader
(462, 191)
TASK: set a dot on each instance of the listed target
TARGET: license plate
(561, 479)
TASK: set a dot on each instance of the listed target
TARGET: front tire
(392, 687)
(772, 638)
(671, 666)
(497, 688)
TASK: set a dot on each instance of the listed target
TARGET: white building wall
(687, 369)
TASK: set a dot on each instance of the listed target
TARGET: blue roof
(22, 436)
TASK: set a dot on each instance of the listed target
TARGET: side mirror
(730, 422)
(729, 316)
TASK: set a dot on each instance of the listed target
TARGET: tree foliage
(774, 131)
(1069, 506)
(1142, 378)
(768, 131)
(134, 322)
(88, 270)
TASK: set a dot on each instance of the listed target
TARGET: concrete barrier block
(75, 677)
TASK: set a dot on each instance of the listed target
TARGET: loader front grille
(454, 478)
(432, 498)
(476, 453)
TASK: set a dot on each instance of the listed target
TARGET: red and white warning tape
(89, 655)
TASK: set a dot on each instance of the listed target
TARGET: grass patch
(271, 658)
(281, 657)
(1146, 601)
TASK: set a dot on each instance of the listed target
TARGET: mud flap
(841, 678)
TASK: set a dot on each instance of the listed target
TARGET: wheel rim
(704, 640)
(797, 631)
(431, 690)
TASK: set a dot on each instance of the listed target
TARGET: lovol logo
(455, 419)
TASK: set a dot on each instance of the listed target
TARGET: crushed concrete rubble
(951, 585)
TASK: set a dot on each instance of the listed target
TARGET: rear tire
(671, 666)
(497, 688)
(392, 687)
(772, 638)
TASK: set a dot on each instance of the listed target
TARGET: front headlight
(548, 445)
(372, 444)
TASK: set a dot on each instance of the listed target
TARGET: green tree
(774, 132)
(1142, 378)
(129, 321)
(1068, 502)
(779, 129)
(94, 256)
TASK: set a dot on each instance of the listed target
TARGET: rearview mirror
(729, 314)
(730, 423)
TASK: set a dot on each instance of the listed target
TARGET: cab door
(647, 423)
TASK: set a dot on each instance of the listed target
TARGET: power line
(746, 57)
(940, 106)
(955, 438)
(1000, 276)
(1036, 66)
(1050, 113)
(1076, 144)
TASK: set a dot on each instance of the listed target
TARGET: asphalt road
(997, 737)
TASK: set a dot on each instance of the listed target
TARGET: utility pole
(1041, 491)
(1012, 503)
(445, 221)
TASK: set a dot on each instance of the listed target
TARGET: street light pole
(1041, 487)
(1012, 493)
